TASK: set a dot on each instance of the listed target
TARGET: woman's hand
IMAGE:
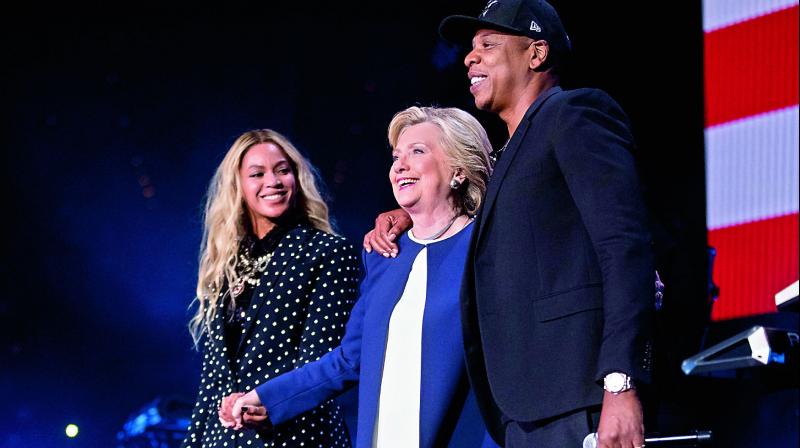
(388, 226)
(247, 411)
(225, 408)
(250, 416)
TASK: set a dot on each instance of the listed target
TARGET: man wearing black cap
(558, 290)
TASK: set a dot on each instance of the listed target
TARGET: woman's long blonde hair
(465, 143)
(226, 220)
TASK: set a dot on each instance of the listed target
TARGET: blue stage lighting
(160, 424)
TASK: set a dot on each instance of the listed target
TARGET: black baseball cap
(532, 18)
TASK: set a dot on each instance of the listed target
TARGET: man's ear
(540, 52)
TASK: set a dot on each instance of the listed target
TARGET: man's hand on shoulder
(383, 237)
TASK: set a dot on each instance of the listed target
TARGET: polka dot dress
(297, 314)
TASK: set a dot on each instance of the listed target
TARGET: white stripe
(721, 13)
(397, 422)
(788, 293)
(752, 168)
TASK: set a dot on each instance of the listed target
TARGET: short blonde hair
(465, 144)
(226, 221)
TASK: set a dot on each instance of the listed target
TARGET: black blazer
(297, 314)
(558, 290)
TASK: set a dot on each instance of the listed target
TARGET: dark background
(118, 115)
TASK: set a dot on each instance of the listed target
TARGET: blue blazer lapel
(386, 289)
(508, 157)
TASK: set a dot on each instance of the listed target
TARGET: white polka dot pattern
(297, 314)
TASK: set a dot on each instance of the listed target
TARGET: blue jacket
(444, 385)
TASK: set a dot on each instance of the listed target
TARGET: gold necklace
(250, 273)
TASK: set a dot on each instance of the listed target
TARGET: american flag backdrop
(751, 133)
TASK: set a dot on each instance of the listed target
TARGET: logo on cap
(535, 27)
(489, 5)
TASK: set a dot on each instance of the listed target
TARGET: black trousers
(562, 431)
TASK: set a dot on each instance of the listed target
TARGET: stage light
(71, 431)
(161, 423)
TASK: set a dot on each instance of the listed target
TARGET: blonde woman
(275, 288)
(403, 342)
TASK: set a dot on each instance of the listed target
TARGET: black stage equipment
(758, 346)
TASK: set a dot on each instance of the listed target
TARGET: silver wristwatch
(617, 383)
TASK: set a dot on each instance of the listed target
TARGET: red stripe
(754, 261)
(751, 67)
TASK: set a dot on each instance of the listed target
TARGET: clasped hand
(239, 410)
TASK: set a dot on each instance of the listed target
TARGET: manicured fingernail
(368, 249)
(386, 254)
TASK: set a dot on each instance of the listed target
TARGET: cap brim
(461, 29)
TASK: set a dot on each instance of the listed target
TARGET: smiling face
(498, 69)
(268, 185)
(420, 172)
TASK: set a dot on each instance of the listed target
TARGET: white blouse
(397, 422)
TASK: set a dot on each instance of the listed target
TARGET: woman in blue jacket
(403, 342)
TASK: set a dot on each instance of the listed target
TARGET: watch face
(615, 382)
